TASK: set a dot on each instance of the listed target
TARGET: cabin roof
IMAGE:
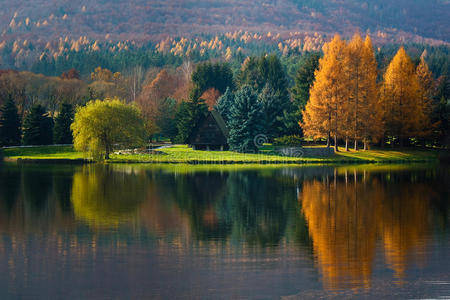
(199, 135)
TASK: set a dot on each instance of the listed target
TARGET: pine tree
(224, 104)
(37, 127)
(300, 94)
(273, 106)
(322, 114)
(304, 79)
(10, 125)
(404, 112)
(61, 132)
(166, 118)
(246, 122)
(189, 114)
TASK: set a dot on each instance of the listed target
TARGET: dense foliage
(10, 124)
(246, 120)
(38, 127)
(61, 132)
(101, 125)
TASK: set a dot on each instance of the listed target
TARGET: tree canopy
(102, 124)
(61, 132)
(38, 127)
(10, 125)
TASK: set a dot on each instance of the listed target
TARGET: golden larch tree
(401, 104)
(328, 93)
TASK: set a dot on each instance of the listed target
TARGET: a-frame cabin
(211, 133)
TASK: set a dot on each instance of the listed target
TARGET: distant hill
(153, 20)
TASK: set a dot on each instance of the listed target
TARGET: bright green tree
(101, 125)
(61, 132)
(38, 127)
(10, 125)
(246, 122)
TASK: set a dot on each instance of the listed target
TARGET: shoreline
(181, 154)
(206, 162)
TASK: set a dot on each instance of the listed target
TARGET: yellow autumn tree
(322, 114)
(366, 125)
(403, 110)
(425, 78)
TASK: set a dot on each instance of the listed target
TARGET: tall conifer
(10, 125)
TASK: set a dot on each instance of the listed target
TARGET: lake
(241, 232)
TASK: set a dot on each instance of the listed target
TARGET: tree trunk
(365, 144)
(346, 144)
(335, 144)
(356, 145)
(107, 151)
(328, 140)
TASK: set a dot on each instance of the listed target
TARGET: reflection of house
(210, 134)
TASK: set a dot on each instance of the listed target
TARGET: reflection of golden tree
(342, 226)
(404, 224)
(346, 216)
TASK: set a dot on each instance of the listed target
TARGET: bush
(288, 140)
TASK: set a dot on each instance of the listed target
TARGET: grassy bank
(184, 154)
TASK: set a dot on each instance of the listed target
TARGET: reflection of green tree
(251, 206)
(37, 185)
(62, 183)
(9, 187)
(258, 208)
(103, 197)
(196, 194)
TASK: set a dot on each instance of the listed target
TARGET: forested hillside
(151, 20)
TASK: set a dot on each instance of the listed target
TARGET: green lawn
(184, 154)
(44, 152)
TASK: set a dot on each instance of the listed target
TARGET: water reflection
(348, 222)
(348, 213)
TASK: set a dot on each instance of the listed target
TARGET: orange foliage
(210, 96)
(347, 214)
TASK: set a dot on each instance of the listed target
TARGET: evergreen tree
(189, 114)
(268, 70)
(37, 127)
(10, 125)
(61, 132)
(273, 107)
(224, 104)
(441, 113)
(218, 76)
(246, 122)
(166, 118)
(304, 79)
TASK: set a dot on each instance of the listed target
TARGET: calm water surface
(124, 232)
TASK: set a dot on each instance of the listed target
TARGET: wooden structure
(211, 133)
